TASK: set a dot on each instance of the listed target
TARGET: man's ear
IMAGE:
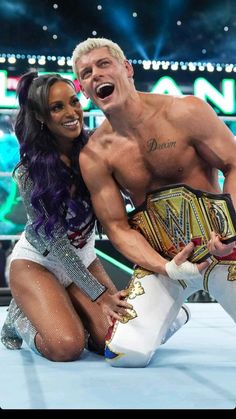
(129, 68)
(84, 93)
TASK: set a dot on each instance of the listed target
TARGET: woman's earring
(41, 126)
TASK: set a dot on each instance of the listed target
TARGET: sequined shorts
(24, 250)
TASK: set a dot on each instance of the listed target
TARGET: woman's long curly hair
(39, 154)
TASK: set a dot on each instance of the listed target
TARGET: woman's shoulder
(20, 173)
(20, 170)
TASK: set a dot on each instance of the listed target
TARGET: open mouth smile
(104, 90)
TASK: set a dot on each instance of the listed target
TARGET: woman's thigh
(46, 304)
(91, 312)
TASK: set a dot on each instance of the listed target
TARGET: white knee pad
(126, 357)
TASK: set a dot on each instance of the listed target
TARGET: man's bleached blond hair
(92, 43)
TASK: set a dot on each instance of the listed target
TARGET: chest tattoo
(154, 144)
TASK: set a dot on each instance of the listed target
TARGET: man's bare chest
(153, 163)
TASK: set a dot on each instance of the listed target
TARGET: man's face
(103, 78)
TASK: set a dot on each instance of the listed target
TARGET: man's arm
(110, 210)
(213, 140)
(215, 143)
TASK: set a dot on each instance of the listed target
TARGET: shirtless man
(148, 141)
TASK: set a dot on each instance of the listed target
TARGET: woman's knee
(64, 348)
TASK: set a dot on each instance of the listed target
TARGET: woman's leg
(90, 312)
(45, 303)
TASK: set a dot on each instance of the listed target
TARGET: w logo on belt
(172, 217)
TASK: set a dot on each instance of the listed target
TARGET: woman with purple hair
(62, 297)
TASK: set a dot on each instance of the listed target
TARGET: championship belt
(172, 217)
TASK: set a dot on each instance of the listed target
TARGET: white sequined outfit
(24, 250)
(65, 252)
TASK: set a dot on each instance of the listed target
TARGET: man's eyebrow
(96, 62)
(84, 69)
(101, 59)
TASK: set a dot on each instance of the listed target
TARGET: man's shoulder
(185, 107)
(168, 98)
(92, 160)
(88, 156)
(172, 102)
(100, 132)
(93, 148)
(188, 101)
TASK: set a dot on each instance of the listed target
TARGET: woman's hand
(114, 305)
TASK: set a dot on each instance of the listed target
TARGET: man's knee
(128, 358)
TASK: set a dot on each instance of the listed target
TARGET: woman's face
(66, 114)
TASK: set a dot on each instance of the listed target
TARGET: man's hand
(217, 248)
(181, 268)
(114, 305)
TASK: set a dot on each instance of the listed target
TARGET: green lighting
(7, 99)
(224, 98)
(9, 203)
(224, 101)
(114, 262)
(166, 85)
